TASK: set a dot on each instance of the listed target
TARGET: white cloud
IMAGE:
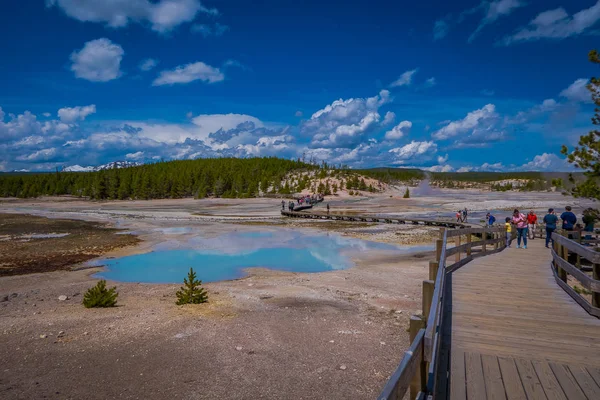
(480, 118)
(578, 92)
(46, 114)
(440, 29)
(413, 152)
(431, 82)
(135, 156)
(189, 73)
(148, 64)
(399, 131)
(389, 118)
(495, 10)
(98, 61)
(405, 79)
(298, 113)
(442, 159)
(72, 114)
(556, 24)
(547, 162)
(40, 155)
(345, 123)
(163, 15)
(488, 92)
(210, 30)
(465, 169)
(270, 145)
(438, 168)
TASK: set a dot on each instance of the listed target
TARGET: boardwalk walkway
(515, 334)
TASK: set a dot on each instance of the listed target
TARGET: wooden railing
(562, 267)
(420, 365)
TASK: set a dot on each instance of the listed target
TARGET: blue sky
(453, 86)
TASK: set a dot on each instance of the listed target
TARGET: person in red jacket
(531, 224)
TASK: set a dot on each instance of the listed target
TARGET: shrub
(192, 292)
(406, 194)
(100, 296)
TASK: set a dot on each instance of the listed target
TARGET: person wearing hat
(550, 220)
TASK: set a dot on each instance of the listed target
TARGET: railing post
(428, 287)
(416, 385)
(457, 243)
(563, 252)
(596, 276)
(469, 245)
(495, 237)
(578, 265)
(433, 269)
(438, 251)
(484, 237)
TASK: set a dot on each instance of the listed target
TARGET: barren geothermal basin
(227, 256)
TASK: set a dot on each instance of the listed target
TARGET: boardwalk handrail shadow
(420, 365)
(563, 252)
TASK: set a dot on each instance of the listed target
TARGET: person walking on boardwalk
(520, 220)
(550, 220)
(282, 205)
(458, 216)
(465, 214)
(508, 231)
(490, 219)
(327, 208)
(568, 219)
(531, 224)
(589, 218)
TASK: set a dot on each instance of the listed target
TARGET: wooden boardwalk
(516, 334)
(385, 219)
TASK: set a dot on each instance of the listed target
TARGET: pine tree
(406, 194)
(100, 296)
(192, 292)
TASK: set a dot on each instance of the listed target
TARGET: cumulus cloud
(148, 64)
(405, 79)
(389, 118)
(547, 162)
(495, 10)
(578, 92)
(431, 82)
(345, 123)
(162, 15)
(207, 30)
(481, 119)
(556, 24)
(72, 114)
(189, 73)
(442, 159)
(98, 61)
(399, 131)
(413, 152)
(138, 155)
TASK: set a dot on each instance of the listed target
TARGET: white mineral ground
(273, 334)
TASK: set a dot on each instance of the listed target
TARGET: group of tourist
(462, 215)
(526, 225)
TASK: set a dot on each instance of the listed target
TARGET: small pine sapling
(406, 194)
(192, 292)
(100, 296)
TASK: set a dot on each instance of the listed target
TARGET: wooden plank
(548, 380)
(474, 375)
(458, 378)
(531, 383)
(586, 281)
(399, 382)
(585, 381)
(586, 252)
(568, 384)
(493, 378)
(512, 380)
(595, 374)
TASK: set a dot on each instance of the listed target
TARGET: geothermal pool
(226, 257)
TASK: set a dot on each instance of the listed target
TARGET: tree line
(200, 178)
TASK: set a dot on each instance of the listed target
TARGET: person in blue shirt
(550, 220)
(490, 219)
(568, 219)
